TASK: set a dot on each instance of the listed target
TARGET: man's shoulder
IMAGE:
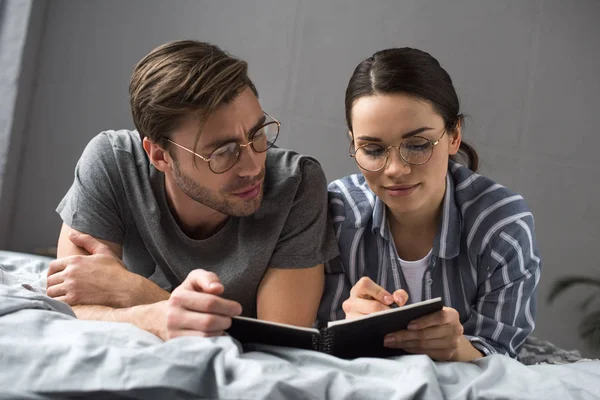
(285, 163)
(118, 140)
(291, 177)
(113, 148)
(110, 141)
(286, 167)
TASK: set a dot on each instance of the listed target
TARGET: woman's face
(387, 120)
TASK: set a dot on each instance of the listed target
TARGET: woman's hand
(367, 297)
(438, 335)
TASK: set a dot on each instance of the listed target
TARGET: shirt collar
(380, 220)
(447, 238)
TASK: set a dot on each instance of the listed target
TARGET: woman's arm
(504, 314)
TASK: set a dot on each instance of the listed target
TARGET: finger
(90, 244)
(352, 315)
(63, 299)
(205, 303)
(400, 297)
(197, 321)
(58, 265)
(55, 279)
(447, 343)
(56, 291)
(445, 316)
(367, 289)
(363, 306)
(186, 332)
(433, 332)
(203, 281)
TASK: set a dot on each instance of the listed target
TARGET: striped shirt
(485, 262)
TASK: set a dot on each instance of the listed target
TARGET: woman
(415, 224)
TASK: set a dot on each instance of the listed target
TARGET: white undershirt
(413, 273)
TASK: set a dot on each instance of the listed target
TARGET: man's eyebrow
(220, 142)
(415, 132)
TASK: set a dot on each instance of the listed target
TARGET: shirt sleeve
(504, 314)
(337, 285)
(307, 237)
(90, 205)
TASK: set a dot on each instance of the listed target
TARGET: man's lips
(249, 192)
(248, 189)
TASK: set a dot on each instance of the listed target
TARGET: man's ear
(161, 159)
(455, 138)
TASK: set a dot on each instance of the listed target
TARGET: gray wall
(21, 25)
(526, 72)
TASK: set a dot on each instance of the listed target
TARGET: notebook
(361, 337)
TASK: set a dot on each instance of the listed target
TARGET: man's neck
(197, 221)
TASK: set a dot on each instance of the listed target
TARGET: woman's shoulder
(476, 193)
(351, 196)
(486, 207)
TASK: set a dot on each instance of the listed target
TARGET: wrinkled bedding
(45, 352)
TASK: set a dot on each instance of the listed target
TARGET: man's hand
(98, 279)
(195, 308)
(438, 335)
(367, 297)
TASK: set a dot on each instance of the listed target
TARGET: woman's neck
(414, 232)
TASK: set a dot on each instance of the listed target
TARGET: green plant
(589, 328)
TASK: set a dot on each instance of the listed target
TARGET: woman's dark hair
(415, 73)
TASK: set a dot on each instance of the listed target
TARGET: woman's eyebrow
(404, 136)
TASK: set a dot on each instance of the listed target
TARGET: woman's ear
(350, 136)
(454, 139)
(157, 155)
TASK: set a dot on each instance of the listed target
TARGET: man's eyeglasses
(224, 157)
(415, 150)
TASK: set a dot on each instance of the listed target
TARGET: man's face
(238, 191)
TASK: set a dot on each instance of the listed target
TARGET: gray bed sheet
(45, 352)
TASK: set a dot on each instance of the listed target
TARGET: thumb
(400, 297)
(90, 244)
(200, 280)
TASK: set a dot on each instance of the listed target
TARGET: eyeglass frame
(240, 146)
(432, 143)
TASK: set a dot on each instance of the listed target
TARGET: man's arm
(89, 271)
(149, 317)
(290, 296)
(67, 248)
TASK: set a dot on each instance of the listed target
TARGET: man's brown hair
(183, 79)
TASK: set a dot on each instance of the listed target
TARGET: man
(197, 200)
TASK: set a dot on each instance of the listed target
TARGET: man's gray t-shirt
(119, 196)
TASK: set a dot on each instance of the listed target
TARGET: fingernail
(214, 285)
(388, 299)
(389, 341)
(412, 326)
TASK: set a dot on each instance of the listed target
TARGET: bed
(46, 353)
